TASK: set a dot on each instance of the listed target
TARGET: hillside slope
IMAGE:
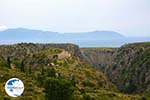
(33, 65)
(128, 67)
(132, 68)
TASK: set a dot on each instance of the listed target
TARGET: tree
(58, 89)
(22, 66)
(8, 62)
(51, 72)
(42, 70)
(2, 62)
(30, 70)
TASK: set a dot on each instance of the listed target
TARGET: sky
(128, 17)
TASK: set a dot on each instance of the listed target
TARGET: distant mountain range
(84, 39)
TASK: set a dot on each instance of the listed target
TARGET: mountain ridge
(25, 35)
(83, 39)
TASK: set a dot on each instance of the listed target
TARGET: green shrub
(87, 97)
(88, 84)
(51, 72)
(2, 62)
(58, 89)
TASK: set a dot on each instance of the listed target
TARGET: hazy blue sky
(129, 17)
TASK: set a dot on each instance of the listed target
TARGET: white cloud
(3, 27)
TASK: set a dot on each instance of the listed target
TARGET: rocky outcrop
(64, 54)
(128, 67)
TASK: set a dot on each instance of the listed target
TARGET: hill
(34, 63)
(127, 67)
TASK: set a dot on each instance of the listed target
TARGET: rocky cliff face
(128, 66)
(100, 58)
(131, 68)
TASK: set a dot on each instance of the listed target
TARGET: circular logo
(14, 87)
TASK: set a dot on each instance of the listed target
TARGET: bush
(58, 89)
(88, 84)
(2, 62)
(51, 72)
(87, 97)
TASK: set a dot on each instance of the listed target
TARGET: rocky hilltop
(20, 50)
(128, 67)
